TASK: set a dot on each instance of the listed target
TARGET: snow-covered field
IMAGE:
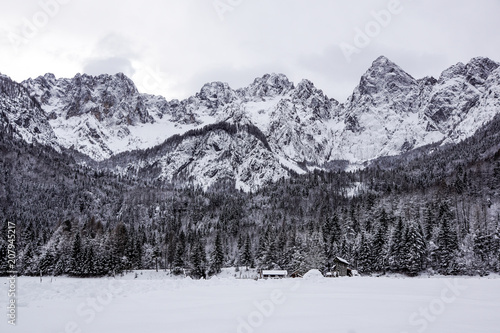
(155, 302)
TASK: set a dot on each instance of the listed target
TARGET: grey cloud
(112, 54)
(111, 66)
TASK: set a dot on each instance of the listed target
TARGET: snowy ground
(155, 302)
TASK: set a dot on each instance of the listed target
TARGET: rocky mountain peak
(216, 94)
(452, 72)
(475, 72)
(479, 69)
(305, 89)
(119, 83)
(3, 76)
(384, 76)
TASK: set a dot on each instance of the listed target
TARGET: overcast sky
(173, 47)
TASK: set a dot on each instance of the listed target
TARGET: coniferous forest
(435, 209)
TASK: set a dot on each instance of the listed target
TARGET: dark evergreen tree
(447, 247)
(379, 244)
(247, 256)
(76, 263)
(414, 250)
(315, 257)
(217, 257)
(364, 257)
(267, 251)
(198, 260)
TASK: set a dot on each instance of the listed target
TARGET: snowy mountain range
(253, 135)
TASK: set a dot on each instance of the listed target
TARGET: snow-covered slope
(389, 112)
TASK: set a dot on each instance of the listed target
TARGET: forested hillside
(435, 209)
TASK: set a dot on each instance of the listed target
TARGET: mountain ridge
(390, 112)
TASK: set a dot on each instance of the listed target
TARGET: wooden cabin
(341, 267)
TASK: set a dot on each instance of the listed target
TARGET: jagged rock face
(101, 116)
(216, 95)
(218, 155)
(270, 85)
(478, 70)
(104, 96)
(24, 114)
(458, 96)
(388, 113)
(384, 80)
(383, 117)
(484, 109)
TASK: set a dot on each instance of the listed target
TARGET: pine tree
(298, 261)
(364, 257)
(76, 262)
(380, 240)
(246, 255)
(448, 245)
(428, 220)
(120, 242)
(179, 259)
(198, 260)
(415, 250)
(88, 262)
(331, 235)
(315, 255)
(180, 251)
(267, 252)
(217, 257)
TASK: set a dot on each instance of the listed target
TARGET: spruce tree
(298, 261)
(198, 260)
(217, 257)
(448, 244)
(246, 255)
(179, 259)
(267, 252)
(180, 252)
(397, 247)
(415, 250)
(76, 262)
(315, 255)
(364, 255)
(380, 240)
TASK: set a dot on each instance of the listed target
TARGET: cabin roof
(274, 272)
(343, 260)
